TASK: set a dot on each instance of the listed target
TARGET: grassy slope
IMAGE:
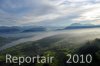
(2, 40)
(57, 47)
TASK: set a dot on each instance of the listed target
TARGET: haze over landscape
(55, 27)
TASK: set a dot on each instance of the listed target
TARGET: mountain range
(22, 29)
(80, 26)
(17, 29)
(6, 29)
(35, 29)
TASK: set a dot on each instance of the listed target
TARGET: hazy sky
(49, 12)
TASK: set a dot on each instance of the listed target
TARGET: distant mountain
(35, 29)
(6, 29)
(80, 26)
(19, 29)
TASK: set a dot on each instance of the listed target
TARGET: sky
(49, 12)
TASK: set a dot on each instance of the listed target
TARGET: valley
(57, 44)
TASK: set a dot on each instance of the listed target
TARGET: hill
(80, 26)
(35, 29)
(58, 48)
(6, 29)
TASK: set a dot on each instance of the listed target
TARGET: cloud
(21, 12)
(15, 11)
(83, 1)
(90, 13)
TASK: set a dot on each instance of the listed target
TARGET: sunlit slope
(58, 46)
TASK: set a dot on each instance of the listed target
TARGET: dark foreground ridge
(59, 52)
